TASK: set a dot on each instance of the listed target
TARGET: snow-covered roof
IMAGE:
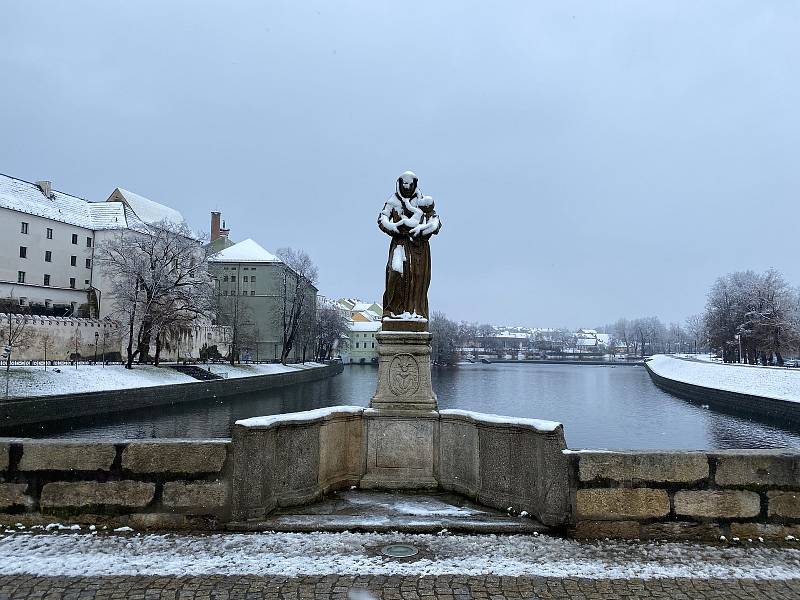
(26, 197)
(148, 211)
(361, 307)
(365, 326)
(246, 251)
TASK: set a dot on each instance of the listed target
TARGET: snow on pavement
(294, 554)
(783, 384)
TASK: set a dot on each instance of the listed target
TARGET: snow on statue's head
(407, 184)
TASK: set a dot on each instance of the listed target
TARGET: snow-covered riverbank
(781, 384)
(35, 381)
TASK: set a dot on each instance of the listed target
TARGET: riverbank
(553, 361)
(93, 390)
(762, 393)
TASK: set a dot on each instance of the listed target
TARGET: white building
(363, 345)
(48, 240)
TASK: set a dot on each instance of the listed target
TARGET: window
(48, 256)
(233, 278)
(225, 293)
(23, 252)
(23, 301)
(224, 278)
(88, 242)
(72, 282)
(48, 303)
(357, 344)
(245, 278)
(252, 292)
(86, 281)
(20, 276)
(74, 238)
(88, 263)
(252, 278)
(373, 344)
(49, 233)
(46, 280)
(73, 260)
(24, 228)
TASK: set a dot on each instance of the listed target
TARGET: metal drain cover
(399, 550)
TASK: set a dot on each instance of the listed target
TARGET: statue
(410, 219)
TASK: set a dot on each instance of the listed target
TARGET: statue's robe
(408, 270)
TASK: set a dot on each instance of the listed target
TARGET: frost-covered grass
(35, 381)
(91, 554)
(780, 383)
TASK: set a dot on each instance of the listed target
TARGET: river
(600, 407)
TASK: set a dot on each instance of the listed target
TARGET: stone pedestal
(404, 371)
(402, 427)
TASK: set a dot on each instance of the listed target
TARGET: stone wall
(743, 494)
(143, 484)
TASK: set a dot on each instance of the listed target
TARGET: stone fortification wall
(55, 338)
(159, 484)
(743, 494)
(22, 411)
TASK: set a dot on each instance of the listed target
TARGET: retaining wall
(771, 410)
(686, 495)
(143, 484)
(23, 411)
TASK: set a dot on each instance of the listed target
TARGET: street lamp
(105, 335)
(96, 337)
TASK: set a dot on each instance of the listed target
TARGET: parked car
(792, 362)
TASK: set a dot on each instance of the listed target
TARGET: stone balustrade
(293, 459)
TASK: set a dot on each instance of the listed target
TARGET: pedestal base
(401, 449)
(404, 372)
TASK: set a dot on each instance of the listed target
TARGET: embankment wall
(23, 411)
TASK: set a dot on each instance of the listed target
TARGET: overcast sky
(589, 160)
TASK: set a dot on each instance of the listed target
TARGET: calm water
(600, 406)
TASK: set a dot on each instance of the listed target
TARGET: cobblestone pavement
(386, 587)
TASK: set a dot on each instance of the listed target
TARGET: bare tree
(299, 296)
(331, 330)
(158, 278)
(14, 335)
(695, 327)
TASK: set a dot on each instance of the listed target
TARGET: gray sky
(589, 160)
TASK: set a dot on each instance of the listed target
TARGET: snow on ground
(783, 384)
(293, 554)
(35, 381)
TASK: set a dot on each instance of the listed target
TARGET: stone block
(458, 456)
(621, 504)
(400, 449)
(157, 521)
(50, 455)
(659, 467)
(769, 532)
(593, 530)
(724, 504)
(184, 456)
(784, 504)
(253, 489)
(92, 493)
(757, 468)
(296, 464)
(195, 494)
(13, 494)
(681, 530)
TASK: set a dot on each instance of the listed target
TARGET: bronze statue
(410, 219)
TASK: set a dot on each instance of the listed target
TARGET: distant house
(363, 345)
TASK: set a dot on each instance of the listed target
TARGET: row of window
(365, 344)
(242, 293)
(48, 257)
(46, 279)
(245, 279)
(237, 268)
(24, 229)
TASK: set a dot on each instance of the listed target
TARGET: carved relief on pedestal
(403, 375)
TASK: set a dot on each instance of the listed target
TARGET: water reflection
(600, 406)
